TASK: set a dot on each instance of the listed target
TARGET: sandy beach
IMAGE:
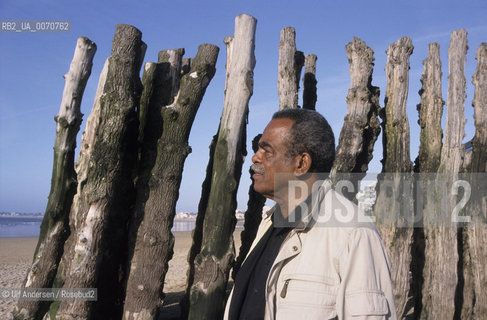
(16, 255)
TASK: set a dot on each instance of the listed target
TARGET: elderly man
(305, 263)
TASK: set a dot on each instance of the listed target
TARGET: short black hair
(310, 133)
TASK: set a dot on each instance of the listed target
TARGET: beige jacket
(326, 272)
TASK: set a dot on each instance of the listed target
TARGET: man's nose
(256, 157)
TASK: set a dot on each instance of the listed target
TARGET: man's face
(272, 158)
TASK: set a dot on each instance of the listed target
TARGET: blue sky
(32, 65)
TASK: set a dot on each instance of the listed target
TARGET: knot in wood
(171, 114)
(231, 184)
(151, 239)
(61, 121)
(207, 271)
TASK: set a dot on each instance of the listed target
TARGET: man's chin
(263, 192)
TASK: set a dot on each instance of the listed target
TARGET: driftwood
(95, 256)
(289, 72)
(55, 224)
(309, 82)
(213, 263)
(475, 234)
(441, 277)
(171, 116)
(394, 212)
(361, 124)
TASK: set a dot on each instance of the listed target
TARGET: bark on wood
(213, 263)
(168, 129)
(361, 124)
(96, 254)
(475, 234)
(394, 213)
(309, 82)
(441, 241)
(253, 217)
(288, 71)
(55, 224)
(430, 112)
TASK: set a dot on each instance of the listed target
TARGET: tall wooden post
(171, 116)
(475, 234)
(289, 71)
(253, 217)
(213, 263)
(441, 239)
(394, 211)
(430, 112)
(361, 124)
(55, 224)
(96, 252)
(309, 82)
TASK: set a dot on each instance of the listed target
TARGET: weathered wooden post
(394, 212)
(475, 234)
(171, 116)
(55, 224)
(146, 96)
(253, 217)
(213, 263)
(96, 252)
(430, 112)
(289, 71)
(309, 82)
(361, 124)
(441, 245)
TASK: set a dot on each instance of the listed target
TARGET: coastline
(16, 256)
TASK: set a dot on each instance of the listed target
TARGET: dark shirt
(248, 301)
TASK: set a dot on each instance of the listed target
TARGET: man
(309, 260)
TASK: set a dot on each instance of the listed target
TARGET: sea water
(29, 226)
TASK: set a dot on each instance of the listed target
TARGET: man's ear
(303, 164)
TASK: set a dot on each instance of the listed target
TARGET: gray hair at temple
(310, 133)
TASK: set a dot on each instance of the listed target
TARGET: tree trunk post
(430, 112)
(361, 124)
(96, 254)
(253, 217)
(288, 71)
(213, 263)
(440, 276)
(55, 224)
(172, 123)
(394, 212)
(309, 82)
(475, 234)
(146, 96)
